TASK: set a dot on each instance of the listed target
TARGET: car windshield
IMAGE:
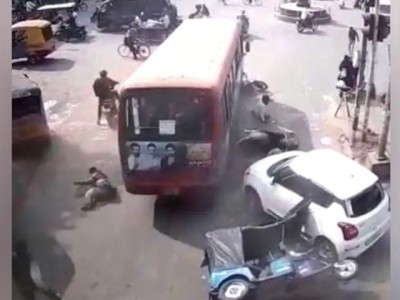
(168, 116)
(279, 165)
(366, 201)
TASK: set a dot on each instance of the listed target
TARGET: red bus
(177, 108)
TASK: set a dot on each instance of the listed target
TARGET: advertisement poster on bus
(166, 156)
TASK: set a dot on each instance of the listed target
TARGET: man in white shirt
(134, 158)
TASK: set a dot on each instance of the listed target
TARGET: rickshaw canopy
(31, 24)
(61, 6)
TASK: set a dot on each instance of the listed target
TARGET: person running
(353, 37)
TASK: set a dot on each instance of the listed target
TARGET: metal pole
(360, 84)
(371, 74)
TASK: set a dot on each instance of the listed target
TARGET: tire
(124, 51)
(60, 36)
(33, 59)
(234, 289)
(260, 86)
(324, 246)
(144, 51)
(83, 7)
(300, 28)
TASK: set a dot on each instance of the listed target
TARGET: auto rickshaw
(30, 130)
(52, 12)
(32, 39)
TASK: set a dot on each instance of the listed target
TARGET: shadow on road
(229, 209)
(50, 204)
(47, 65)
(375, 263)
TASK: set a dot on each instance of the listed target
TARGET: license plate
(373, 238)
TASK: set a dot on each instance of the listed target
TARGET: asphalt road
(142, 248)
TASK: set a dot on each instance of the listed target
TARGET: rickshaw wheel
(234, 289)
(33, 60)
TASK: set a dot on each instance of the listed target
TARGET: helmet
(92, 170)
(103, 73)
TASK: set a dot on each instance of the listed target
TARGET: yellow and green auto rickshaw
(32, 39)
(30, 131)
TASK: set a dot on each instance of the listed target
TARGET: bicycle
(251, 2)
(143, 50)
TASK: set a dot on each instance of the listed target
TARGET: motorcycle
(306, 24)
(276, 255)
(264, 142)
(65, 33)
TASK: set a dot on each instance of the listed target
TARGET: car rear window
(366, 201)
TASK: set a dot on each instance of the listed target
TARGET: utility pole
(383, 138)
(360, 83)
(371, 74)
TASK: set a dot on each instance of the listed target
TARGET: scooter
(306, 24)
(110, 111)
(65, 33)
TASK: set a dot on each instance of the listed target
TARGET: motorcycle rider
(307, 18)
(129, 39)
(101, 188)
(103, 89)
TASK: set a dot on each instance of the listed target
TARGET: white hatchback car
(350, 209)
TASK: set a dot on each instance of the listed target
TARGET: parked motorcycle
(65, 33)
(310, 24)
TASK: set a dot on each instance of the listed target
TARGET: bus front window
(168, 115)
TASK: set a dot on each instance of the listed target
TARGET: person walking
(353, 37)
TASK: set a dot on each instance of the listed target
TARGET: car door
(278, 198)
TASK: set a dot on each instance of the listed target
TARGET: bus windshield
(172, 115)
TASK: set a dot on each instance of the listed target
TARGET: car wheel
(234, 289)
(326, 249)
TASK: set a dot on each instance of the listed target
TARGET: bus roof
(192, 56)
(31, 23)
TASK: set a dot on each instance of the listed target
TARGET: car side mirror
(247, 46)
